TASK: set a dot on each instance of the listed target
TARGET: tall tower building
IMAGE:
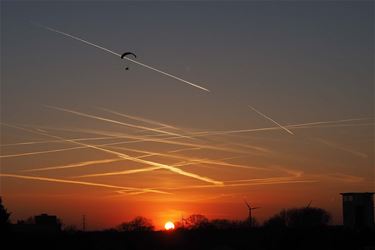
(358, 210)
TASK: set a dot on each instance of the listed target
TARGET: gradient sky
(295, 62)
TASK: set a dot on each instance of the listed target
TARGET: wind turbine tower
(250, 208)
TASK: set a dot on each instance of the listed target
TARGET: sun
(169, 225)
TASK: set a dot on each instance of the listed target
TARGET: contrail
(342, 177)
(124, 172)
(152, 139)
(169, 141)
(155, 164)
(127, 157)
(58, 141)
(294, 126)
(193, 160)
(76, 38)
(116, 122)
(39, 152)
(55, 150)
(271, 182)
(331, 121)
(340, 147)
(82, 183)
(119, 55)
(131, 171)
(82, 164)
(140, 119)
(74, 165)
(262, 150)
(272, 120)
(113, 136)
(184, 149)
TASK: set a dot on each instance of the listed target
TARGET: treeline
(308, 217)
(305, 217)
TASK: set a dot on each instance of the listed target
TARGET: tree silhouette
(138, 224)
(4, 218)
(196, 221)
(300, 217)
(224, 224)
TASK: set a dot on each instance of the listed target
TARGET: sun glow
(169, 226)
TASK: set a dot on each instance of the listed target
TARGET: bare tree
(196, 221)
(138, 224)
(300, 217)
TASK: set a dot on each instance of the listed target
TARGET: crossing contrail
(340, 147)
(56, 150)
(140, 119)
(127, 157)
(119, 55)
(332, 123)
(242, 183)
(272, 120)
(152, 139)
(116, 122)
(75, 165)
(191, 159)
(55, 141)
(37, 178)
(131, 171)
(154, 164)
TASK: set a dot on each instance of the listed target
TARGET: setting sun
(169, 226)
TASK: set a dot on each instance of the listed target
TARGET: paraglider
(128, 53)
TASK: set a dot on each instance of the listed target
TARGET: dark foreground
(258, 238)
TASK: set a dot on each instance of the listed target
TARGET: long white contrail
(127, 157)
(116, 122)
(140, 119)
(85, 183)
(119, 55)
(55, 141)
(331, 123)
(191, 159)
(224, 132)
(55, 150)
(74, 165)
(272, 120)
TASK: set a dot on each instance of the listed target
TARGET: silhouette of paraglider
(128, 53)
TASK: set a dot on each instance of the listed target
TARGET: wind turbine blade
(247, 204)
(308, 205)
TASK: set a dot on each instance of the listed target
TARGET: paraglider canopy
(128, 53)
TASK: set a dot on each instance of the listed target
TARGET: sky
(289, 118)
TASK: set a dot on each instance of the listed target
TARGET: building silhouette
(358, 210)
(50, 222)
(42, 223)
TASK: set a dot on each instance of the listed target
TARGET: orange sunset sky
(287, 118)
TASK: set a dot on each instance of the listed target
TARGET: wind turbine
(250, 209)
(308, 205)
